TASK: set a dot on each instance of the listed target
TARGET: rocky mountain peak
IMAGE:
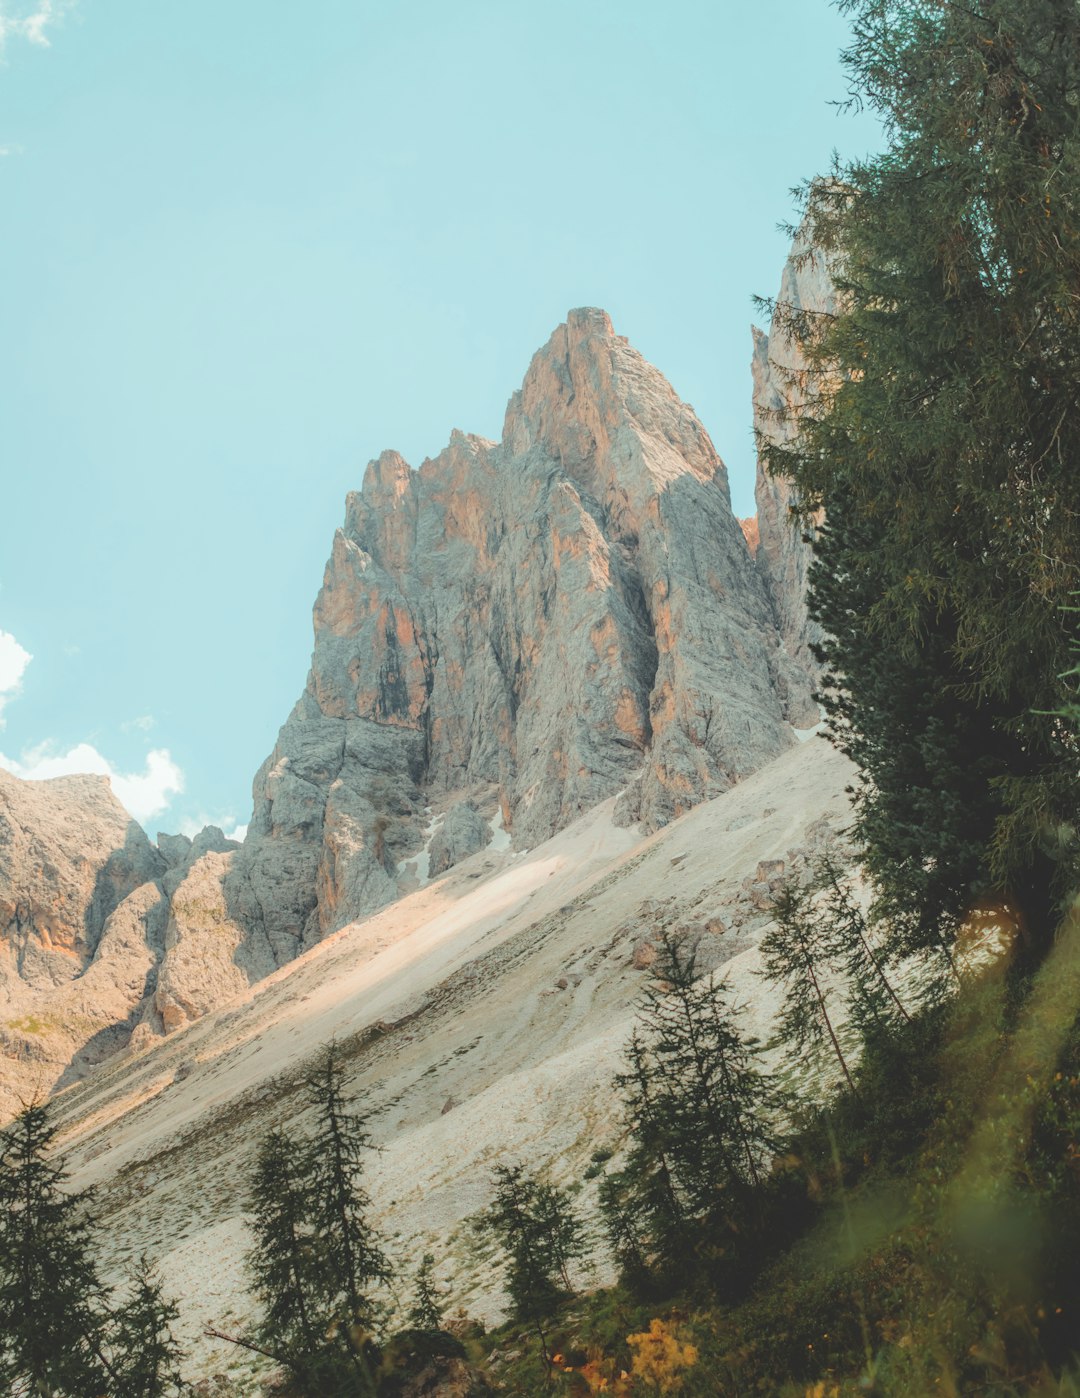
(504, 638)
(529, 627)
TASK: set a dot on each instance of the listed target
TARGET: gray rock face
(783, 553)
(564, 616)
(81, 926)
(69, 856)
(464, 831)
(101, 932)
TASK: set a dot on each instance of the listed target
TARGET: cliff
(529, 627)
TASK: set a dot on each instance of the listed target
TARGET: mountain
(520, 630)
(82, 926)
(505, 638)
(89, 911)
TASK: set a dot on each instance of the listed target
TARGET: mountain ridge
(504, 638)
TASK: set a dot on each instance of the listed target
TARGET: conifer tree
(52, 1303)
(348, 1259)
(428, 1300)
(536, 1227)
(147, 1354)
(794, 956)
(874, 1001)
(351, 1258)
(646, 1216)
(316, 1256)
(284, 1262)
(699, 1114)
(941, 442)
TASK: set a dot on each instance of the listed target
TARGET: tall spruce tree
(284, 1261)
(700, 1118)
(942, 443)
(351, 1257)
(53, 1305)
(147, 1355)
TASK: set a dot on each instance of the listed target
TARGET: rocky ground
(483, 1015)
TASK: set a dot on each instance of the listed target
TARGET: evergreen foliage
(538, 1230)
(700, 1118)
(873, 1001)
(316, 1257)
(940, 437)
(52, 1302)
(60, 1336)
(428, 1299)
(793, 956)
(351, 1259)
(284, 1261)
(142, 1338)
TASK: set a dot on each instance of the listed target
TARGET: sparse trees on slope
(942, 443)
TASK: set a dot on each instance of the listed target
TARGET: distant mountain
(505, 637)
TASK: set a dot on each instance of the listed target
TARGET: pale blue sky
(248, 246)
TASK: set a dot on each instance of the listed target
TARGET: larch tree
(429, 1302)
(795, 957)
(147, 1353)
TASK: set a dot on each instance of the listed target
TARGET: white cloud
(191, 826)
(144, 724)
(144, 794)
(19, 20)
(13, 662)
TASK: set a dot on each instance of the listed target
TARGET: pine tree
(428, 1300)
(284, 1261)
(351, 1258)
(536, 1227)
(699, 1115)
(147, 1356)
(941, 443)
(53, 1312)
(794, 956)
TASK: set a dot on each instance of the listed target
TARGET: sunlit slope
(484, 1015)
